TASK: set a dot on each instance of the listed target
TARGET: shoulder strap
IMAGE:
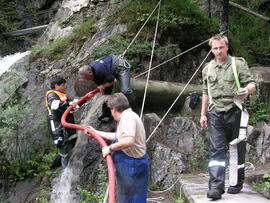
(236, 78)
(208, 87)
(62, 96)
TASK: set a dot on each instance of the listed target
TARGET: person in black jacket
(57, 102)
(105, 71)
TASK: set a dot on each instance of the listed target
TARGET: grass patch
(258, 109)
(180, 21)
(199, 154)
(62, 46)
(89, 196)
(250, 34)
(138, 53)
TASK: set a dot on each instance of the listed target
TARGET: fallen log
(160, 94)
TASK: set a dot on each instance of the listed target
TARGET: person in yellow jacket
(57, 102)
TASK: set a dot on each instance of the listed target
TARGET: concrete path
(195, 187)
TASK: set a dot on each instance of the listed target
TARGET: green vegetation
(250, 35)
(198, 155)
(43, 194)
(179, 21)
(176, 196)
(258, 109)
(42, 200)
(88, 196)
(61, 46)
(138, 52)
(17, 161)
(173, 195)
(7, 15)
(263, 184)
(37, 166)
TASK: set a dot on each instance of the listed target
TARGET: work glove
(58, 141)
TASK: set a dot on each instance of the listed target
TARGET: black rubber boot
(236, 189)
(56, 163)
(132, 102)
(106, 112)
(215, 193)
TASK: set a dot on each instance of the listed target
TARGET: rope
(248, 167)
(178, 97)
(222, 32)
(158, 199)
(123, 54)
(106, 195)
(172, 58)
(151, 60)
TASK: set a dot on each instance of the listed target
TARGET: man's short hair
(219, 37)
(57, 80)
(118, 101)
(84, 70)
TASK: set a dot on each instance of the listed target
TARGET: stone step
(194, 188)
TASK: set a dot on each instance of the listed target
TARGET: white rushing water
(63, 191)
(7, 61)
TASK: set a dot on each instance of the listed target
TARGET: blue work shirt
(102, 70)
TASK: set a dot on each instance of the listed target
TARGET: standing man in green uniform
(220, 114)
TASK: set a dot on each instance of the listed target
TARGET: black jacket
(56, 117)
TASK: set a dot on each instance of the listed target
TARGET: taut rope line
(223, 32)
(137, 76)
(151, 59)
(123, 54)
(178, 96)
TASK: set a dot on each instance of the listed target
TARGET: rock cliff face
(178, 146)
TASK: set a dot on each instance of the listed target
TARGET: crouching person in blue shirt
(128, 151)
(105, 71)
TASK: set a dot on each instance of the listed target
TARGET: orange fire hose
(100, 140)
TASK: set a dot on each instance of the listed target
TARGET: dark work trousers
(121, 71)
(65, 150)
(223, 128)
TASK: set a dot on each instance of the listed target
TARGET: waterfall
(7, 61)
(63, 188)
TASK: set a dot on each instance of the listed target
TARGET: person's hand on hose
(101, 88)
(106, 150)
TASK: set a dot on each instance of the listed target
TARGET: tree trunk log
(161, 94)
(217, 8)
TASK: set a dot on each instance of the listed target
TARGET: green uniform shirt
(222, 83)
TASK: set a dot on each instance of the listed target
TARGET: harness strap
(208, 87)
(244, 114)
(62, 96)
(242, 136)
(236, 78)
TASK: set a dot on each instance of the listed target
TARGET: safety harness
(62, 96)
(233, 161)
(233, 172)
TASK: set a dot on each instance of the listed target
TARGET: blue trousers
(131, 177)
